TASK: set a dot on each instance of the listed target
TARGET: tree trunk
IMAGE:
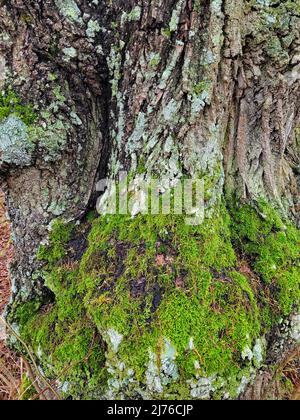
(149, 307)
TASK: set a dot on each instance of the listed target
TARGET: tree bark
(177, 88)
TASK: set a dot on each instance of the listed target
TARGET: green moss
(27, 390)
(25, 312)
(152, 280)
(10, 103)
(185, 268)
(274, 251)
(155, 60)
(51, 139)
(203, 86)
(61, 334)
(70, 10)
(27, 19)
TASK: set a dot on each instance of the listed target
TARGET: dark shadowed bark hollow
(145, 306)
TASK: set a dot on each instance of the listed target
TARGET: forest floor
(10, 363)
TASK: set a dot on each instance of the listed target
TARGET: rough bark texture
(203, 88)
(56, 172)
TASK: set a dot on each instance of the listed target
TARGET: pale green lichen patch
(173, 25)
(15, 146)
(275, 252)
(155, 59)
(275, 25)
(114, 65)
(70, 10)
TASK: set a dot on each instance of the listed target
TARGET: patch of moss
(61, 334)
(64, 339)
(155, 278)
(10, 103)
(166, 32)
(273, 249)
(50, 135)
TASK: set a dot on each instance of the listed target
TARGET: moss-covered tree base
(154, 308)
